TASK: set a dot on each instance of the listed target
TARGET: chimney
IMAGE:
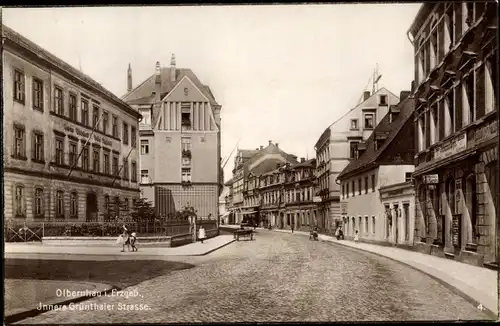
(129, 78)
(261, 147)
(173, 70)
(412, 85)
(366, 95)
(257, 149)
(403, 95)
(158, 82)
(277, 144)
(270, 142)
(302, 160)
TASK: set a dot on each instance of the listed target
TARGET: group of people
(128, 239)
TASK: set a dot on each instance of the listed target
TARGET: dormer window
(383, 100)
(369, 121)
(354, 124)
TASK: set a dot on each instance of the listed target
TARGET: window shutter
(441, 108)
(458, 108)
(480, 92)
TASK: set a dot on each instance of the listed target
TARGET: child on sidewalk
(356, 236)
(133, 240)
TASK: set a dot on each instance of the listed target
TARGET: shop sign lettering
(451, 147)
(431, 179)
(486, 132)
(85, 134)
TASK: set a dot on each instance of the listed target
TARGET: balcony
(186, 153)
(186, 183)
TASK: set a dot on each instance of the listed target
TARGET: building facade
(337, 147)
(384, 160)
(456, 122)
(179, 141)
(69, 144)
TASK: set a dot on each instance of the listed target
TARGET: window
(186, 174)
(95, 117)
(408, 177)
(19, 87)
(353, 188)
(343, 191)
(359, 186)
(72, 154)
(354, 149)
(73, 205)
(105, 122)
(125, 169)
(366, 185)
(133, 136)
(434, 124)
(106, 208)
(366, 224)
(469, 16)
(117, 207)
(85, 112)
(434, 47)
(19, 142)
(85, 158)
(369, 123)
(106, 162)
(37, 94)
(373, 224)
(95, 161)
(144, 146)
(347, 190)
(58, 101)
(186, 143)
(38, 210)
(125, 133)
(115, 127)
(144, 176)
(59, 151)
(37, 151)
(72, 107)
(59, 204)
(354, 124)
(20, 202)
(491, 91)
(373, 182)
(382, 100)
(420, 129)
(134, 172)
(450, 30)
(115, 165)
(468, 99)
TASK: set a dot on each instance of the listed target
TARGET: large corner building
(179, 141)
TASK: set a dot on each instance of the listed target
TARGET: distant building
(249, 165)
(337, 147)
(223, 212)
(179, 141)
(68, 143)
(385, 160)
(456, 124)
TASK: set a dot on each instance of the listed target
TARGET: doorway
(91, 214)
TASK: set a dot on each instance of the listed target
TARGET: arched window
(74, 205)
(38, 205)
(19, 201)
(59, 204)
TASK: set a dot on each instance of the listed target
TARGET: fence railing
(20, 231)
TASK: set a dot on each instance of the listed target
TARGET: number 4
(480, 307)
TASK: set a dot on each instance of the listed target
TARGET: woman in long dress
(126, 239)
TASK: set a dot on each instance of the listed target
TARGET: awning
(252, 212)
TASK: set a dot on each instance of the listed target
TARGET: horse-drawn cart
(248, 233)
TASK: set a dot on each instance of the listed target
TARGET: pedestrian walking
(341, 234)
(356, 236)
(133, 241)
(337, 233)
(201, 234)
(126, 239)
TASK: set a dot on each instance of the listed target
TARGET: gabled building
(385, 159)
(456, 123)
(179, 141)
(337, 147)
(249, 165)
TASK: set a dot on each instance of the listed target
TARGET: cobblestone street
(282, 277)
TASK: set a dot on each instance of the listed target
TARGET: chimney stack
(403, 95)
(172, 69)
(261, 147)
(158, 82)
(302, 160)
(277, 144)
(366, 95)
(270, 142)
(412, 85)
(129, 78)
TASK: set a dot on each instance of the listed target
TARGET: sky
(281, 72)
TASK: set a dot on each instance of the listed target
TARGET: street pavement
(280, 277)
(37, 250)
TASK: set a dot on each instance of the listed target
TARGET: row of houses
(75, 152)
(418, 170)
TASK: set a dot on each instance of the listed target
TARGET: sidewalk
(477, 284)
(193, 249)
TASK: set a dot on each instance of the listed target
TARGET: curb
(15, 317)
(212, 250)
(449, 286)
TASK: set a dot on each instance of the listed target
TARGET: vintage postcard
(251, 163)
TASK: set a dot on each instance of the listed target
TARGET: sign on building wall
(485, 133)
(455, 230)
(430, 179)
(451, 147)
(458, 196)
(317, 199)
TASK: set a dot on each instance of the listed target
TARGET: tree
(142, 210)
(186, 212)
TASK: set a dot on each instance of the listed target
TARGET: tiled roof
(142, 94)
(270, 149)
(43, 54)
(309, 163)
(384, 127)
(248, 153)
(266, 166)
